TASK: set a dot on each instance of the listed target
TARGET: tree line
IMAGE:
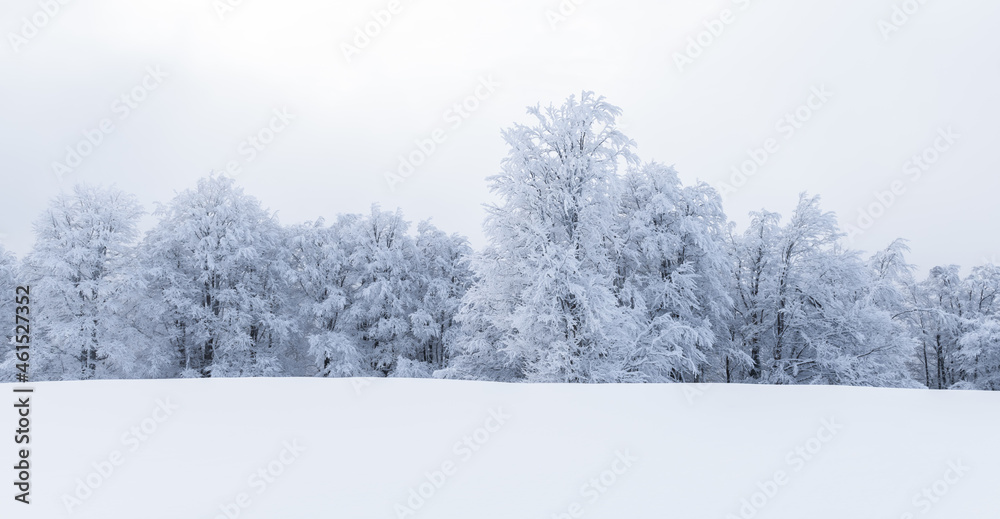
(598, 268)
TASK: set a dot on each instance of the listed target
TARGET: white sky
(353, 119)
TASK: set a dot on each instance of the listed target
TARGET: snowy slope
(337, 448)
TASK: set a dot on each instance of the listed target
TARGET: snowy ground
(303, 448)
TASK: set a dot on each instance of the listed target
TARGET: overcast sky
(869, 91)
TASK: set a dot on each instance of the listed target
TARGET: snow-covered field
(359, 448)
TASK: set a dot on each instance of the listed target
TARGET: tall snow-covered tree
(544, 291)
(218, 264)
(87, 289)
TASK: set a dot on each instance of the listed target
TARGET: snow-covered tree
(808, 311)
(443, 277)
(979, 344)
(980, 352)
(323, 280)
(544, 291)
(382, 289)
(672, 272)
(939, 309)
(87, 291)
(218, 264)
(374, 300)
(8, 283)
(750, 333)
(867, 345)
